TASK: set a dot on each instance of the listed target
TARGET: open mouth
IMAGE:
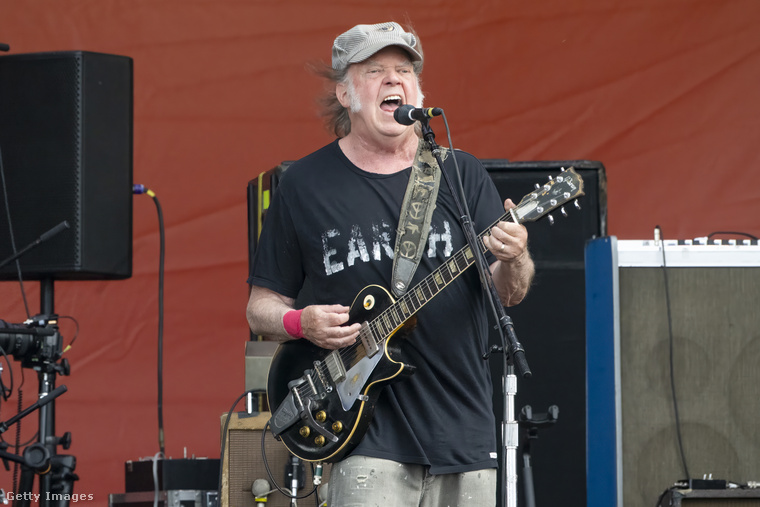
(391, 103)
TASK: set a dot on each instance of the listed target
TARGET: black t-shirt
(334, 224)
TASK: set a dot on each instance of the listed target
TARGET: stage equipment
(243, 465)
(66, 141)
(711, 498)
(666, 331)
(258, 356)
(190, 482)
(172, 474)
(169, 498)
(531, 423)
(551, 324)
(259, 195)
(39, 346)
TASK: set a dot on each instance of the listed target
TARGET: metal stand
(55, 472)
(531, 425)
(514, 354)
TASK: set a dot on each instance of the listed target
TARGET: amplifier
(711, 498)
(173, 498)
(172, 474)
(243, 463)
(671, 322)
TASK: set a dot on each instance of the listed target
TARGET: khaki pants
(369, 482)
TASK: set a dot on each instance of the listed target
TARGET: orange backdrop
(663, 93)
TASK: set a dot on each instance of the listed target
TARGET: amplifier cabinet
(243, 463)
(685, 328)
(711, 498)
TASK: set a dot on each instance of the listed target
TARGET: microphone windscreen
(260, 488)
(401, 114)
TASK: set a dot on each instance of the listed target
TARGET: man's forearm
(513, 279)
(265, 311)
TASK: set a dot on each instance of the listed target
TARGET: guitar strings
(373, 327)
(430, 283)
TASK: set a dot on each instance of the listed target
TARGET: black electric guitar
(325, 399)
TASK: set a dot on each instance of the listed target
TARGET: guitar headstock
(561, 189)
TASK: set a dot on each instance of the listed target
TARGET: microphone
(407, 115)
(260, 489)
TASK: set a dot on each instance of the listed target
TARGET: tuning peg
(562, 210)
(562, 169)
(537, 186)
(550, 177)
(577, 204)
(551, 219)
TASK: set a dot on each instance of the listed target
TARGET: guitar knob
(305, 431)
(321, 416)
(551, 219)
(319, 440)
(337, 426)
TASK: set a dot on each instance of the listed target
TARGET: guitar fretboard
(412, 301)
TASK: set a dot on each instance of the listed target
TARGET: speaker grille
(66, 141)
(716, 356)
(244, 464)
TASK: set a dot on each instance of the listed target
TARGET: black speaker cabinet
(259, 194)
(549, 322)
(692, 319)
(243, 463)
(66, 145)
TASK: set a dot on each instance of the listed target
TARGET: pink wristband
(292, 323)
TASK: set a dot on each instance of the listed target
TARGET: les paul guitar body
(364, 378)
(325, 399)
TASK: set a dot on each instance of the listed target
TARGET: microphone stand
(514, 354)
(44, 237)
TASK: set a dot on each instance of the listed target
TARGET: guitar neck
(550, 196)
(417, 297)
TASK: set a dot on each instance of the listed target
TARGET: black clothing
(334, 224)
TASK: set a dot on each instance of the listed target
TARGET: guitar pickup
(335, 367)
(368, 340)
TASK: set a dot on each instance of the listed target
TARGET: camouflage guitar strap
(416, 213)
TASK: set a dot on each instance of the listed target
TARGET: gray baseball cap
(363, 41)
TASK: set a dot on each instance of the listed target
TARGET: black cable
(224, 441)
(269, 471)
(76, 333)
(662, 496)
(6, 391)
(162, 252)
(671, 354)
(140, 189)
(17, 447)
(12, 238)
